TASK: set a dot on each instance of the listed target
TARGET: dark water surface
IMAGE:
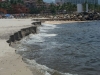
(69, 48)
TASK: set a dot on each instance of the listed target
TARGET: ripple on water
(69, 48)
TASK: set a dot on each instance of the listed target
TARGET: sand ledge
(62, 22)
(10, 62)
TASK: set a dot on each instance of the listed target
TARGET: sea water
(65, 49)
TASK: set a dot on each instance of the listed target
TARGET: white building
(79, 8)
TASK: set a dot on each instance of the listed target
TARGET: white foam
(22, 49)
(48, 26)
(36, 38)
(45, 29)
(47, 35)
(39, 69)
(32, 38)
(36, 68)
(47, 73)
(42, 30)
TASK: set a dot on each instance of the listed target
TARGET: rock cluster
(85, 16)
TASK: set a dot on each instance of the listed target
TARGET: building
(79, 1)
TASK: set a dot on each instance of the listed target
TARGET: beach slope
(10, 62)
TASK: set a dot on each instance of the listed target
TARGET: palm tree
(52, 8)
(69, 7)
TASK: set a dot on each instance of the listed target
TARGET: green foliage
(40, 1)
(52, 8)
(8, 4)
(20, 1)
(34, 10)
(5, 5)
(68, 7)
(92, 7)
(16, 1)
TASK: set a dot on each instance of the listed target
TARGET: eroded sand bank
(10, 62)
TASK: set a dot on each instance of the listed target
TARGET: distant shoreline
(62, 22)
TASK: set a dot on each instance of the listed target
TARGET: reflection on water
(69, 48)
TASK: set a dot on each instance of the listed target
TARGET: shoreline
(10, 62)
(62, 22)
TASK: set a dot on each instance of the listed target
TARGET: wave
(47, 27)
(36, 39)
(39, 69)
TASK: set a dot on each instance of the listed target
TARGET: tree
(52, 8)
(40, 1)
(70, 7)
(34, 10)
(16, 1)
(4, 5)
(20, 1)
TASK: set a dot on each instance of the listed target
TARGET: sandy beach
(10, 62)
(61, 22)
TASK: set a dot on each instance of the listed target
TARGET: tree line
(8, 4)
(52, 8)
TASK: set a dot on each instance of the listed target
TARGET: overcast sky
(99, 1)
(54, 1)
(49, 0)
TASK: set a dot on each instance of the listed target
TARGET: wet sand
(61, 22)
